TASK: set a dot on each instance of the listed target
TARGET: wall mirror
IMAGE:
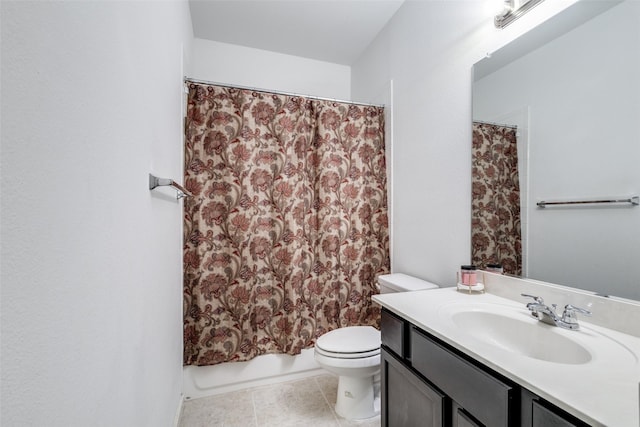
(564, 99)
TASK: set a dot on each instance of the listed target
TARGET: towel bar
(634, 200)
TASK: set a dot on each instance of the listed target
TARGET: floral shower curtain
(495, 207)
(288, 228)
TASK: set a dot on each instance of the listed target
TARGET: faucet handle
(569, 315)
(538, 300)
(571, 310)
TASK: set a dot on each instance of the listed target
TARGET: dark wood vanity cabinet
(427, 383)
(407, 399)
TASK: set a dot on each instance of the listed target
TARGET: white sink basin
(514, 330)
(538, 341)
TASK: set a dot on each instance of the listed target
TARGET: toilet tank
(400, 282)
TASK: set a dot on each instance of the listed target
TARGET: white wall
(583, 145)
(91, 259)
(428, 50)
(243, 66)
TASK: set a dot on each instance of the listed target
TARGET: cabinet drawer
(480, 393)
(394, 333)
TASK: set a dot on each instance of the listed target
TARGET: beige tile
(308, 402)
(226, 410)
(196, 417)
(291, 403)
(371, 422)
(327, 420)
(328, 385)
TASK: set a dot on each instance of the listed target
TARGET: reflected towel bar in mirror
(633, 200)
(154, 182)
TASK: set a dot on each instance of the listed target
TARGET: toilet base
(356, 399)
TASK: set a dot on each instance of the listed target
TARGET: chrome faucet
(548, 315)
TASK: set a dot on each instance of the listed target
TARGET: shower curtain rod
(277, 92)
(482, 122)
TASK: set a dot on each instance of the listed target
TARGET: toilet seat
(360, 355)
(352, 342)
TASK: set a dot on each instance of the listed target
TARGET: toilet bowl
(353, 354)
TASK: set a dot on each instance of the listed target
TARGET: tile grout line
(333, 411)
(253, 403)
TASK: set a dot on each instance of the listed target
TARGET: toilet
(353, 354)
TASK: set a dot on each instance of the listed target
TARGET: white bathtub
(201, 381)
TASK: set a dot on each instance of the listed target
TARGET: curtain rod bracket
(154, 182)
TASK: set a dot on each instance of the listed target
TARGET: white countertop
(602, 392)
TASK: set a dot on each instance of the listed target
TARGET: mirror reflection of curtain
(495, 206)
(288, 228)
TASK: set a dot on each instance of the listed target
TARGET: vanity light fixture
(512, 10)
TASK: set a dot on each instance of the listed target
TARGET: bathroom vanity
(453, 359)
(425, 379)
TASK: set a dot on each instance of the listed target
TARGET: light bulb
(506, 6)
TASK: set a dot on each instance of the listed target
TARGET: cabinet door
(543, 417)
(407, 401)
(537, 412)
(461, 418)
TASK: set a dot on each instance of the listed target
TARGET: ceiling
(336, 31)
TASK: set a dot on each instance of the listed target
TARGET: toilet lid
(352, 339)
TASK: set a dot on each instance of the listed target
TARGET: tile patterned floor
(307, 402)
